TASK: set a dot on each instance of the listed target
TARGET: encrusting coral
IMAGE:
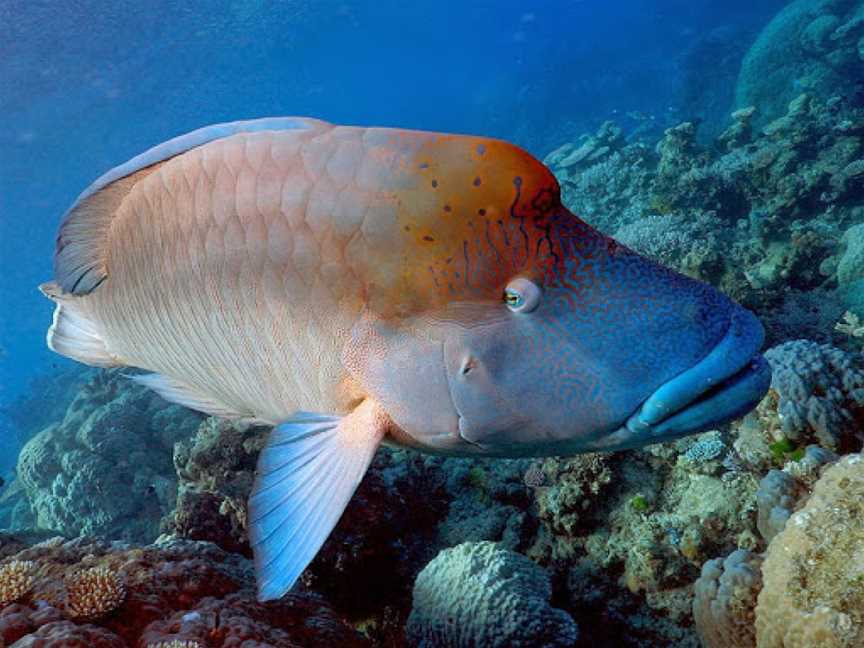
(814, 569)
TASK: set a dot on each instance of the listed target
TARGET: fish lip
(733, 361)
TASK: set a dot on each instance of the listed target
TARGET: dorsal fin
(79, 258)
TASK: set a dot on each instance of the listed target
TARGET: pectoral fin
(307, 473)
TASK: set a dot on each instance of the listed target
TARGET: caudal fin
(73, 334)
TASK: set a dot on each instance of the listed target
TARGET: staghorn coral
(813, 573)
(16, 580)
(477, 594)
(724, 600)
(93, 593)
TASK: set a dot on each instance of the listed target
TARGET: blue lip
(725, 385)
(731, 355)
(735, 397)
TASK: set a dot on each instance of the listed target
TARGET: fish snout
(729, 381)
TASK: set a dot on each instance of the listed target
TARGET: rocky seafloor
(126, 516)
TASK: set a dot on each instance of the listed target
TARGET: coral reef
(477, 594)
(738, 214)
(812, 45)
(95, 593)
(16, 579)
(115, 437)
(814, 581)
(724, 600)
(817, 394)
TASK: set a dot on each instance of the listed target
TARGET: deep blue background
(85, 85)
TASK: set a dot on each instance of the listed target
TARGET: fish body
(354, 286)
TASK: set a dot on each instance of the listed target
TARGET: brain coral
(725, 598)
(817, 389)
(813, 573)
(477, 595)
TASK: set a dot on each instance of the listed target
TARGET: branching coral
(93, 593)
(16, 580)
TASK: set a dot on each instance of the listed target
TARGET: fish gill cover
(723, 141)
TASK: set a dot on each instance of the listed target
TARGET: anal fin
(307, 473)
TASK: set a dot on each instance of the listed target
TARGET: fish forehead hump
(444, 217)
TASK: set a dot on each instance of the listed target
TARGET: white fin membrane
(307, 473)
(73, 334)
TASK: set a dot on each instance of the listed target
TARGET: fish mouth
(723, 386)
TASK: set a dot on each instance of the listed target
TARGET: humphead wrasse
(359, 286)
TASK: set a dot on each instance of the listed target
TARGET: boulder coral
(811, 45)
(115, 437)
(480, 596)
(724, 600)
(813, 573)
(817, 394)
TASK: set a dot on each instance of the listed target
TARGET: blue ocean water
(724, 140)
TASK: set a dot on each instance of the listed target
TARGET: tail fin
(73, 334)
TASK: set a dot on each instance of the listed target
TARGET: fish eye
(522, 295)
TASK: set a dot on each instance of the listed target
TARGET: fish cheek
(403, 369)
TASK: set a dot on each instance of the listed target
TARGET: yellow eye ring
(522, 295)
(513, 299)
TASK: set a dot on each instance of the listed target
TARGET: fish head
(526, 332)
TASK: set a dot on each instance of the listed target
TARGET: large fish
(358, 286)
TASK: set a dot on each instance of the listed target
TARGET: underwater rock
(724, 600)
(173, 590)
(817, 391)
(116, 437)
(813, 573)
(811, 45)
(478, 595)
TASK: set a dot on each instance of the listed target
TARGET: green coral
(639, 503)
(784, 450)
